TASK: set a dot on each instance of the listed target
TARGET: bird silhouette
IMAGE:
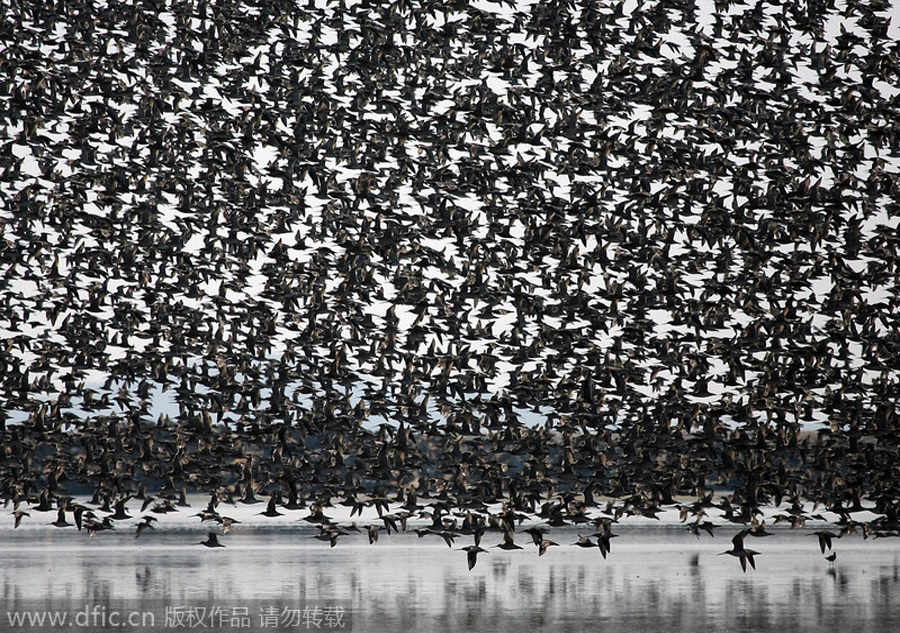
(60, 521)
(472, 552)
(508, 542)
(144, 525)
(825, 539)
(212, 540)
(738, 550)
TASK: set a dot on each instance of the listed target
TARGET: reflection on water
(655, 579)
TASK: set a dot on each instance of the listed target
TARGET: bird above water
(537, 533)
(584, 542)
(212, 540)
(825, 539)
(738, 550)
(508, 542)
(19, 514)
(271, 509)
(603, 542)
(330, 532)
(544, 544)
(706, 526)
(120, 510)
(472, 552)
(145, 524)
(61, 519)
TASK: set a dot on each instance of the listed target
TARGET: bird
(226, 523)
(603, 542)
(330, 533)
(544, 544)
(316, 515)
(212, 540)
(19, 514)
(145, 524)
(271, 509)
(121, 512)
(831, 558)
(584, 542)
(758, 529)
(95, 526)
(825, 539)
(61, 519)
(508, 541)
(536, 533)
(706, 526)
(472, 552)
(448, 536)
(738, 550)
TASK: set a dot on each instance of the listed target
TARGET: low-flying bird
(825, 539)
(19, 514)
(584, 542)
(61, 519)
(738, 550)
(271, 509)
(472, 552)
(536, 533)
(603, 542)
(212, 540)
(706, 526)
(508, 542)
(543, 545)
(146, 524)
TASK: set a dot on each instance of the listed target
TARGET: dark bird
(330, 533)
(120, 511)
(825, 539)
(472, 552)
(146, 524)
(78, 514)
(536, 533)
(757, 529)
(603, 542)
(706, 526)
(316, 515)
(508, 543)
(61, 519)
(94, 527)
(738, 550)
(544, 544)
(584, 542)
(19, 514)
(211, 541)
(831, 558)
(271, 510)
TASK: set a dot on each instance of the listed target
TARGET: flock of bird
(443, 520)
(556, 256)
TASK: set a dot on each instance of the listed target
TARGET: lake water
(657, 578)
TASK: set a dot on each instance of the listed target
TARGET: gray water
(655, 579)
